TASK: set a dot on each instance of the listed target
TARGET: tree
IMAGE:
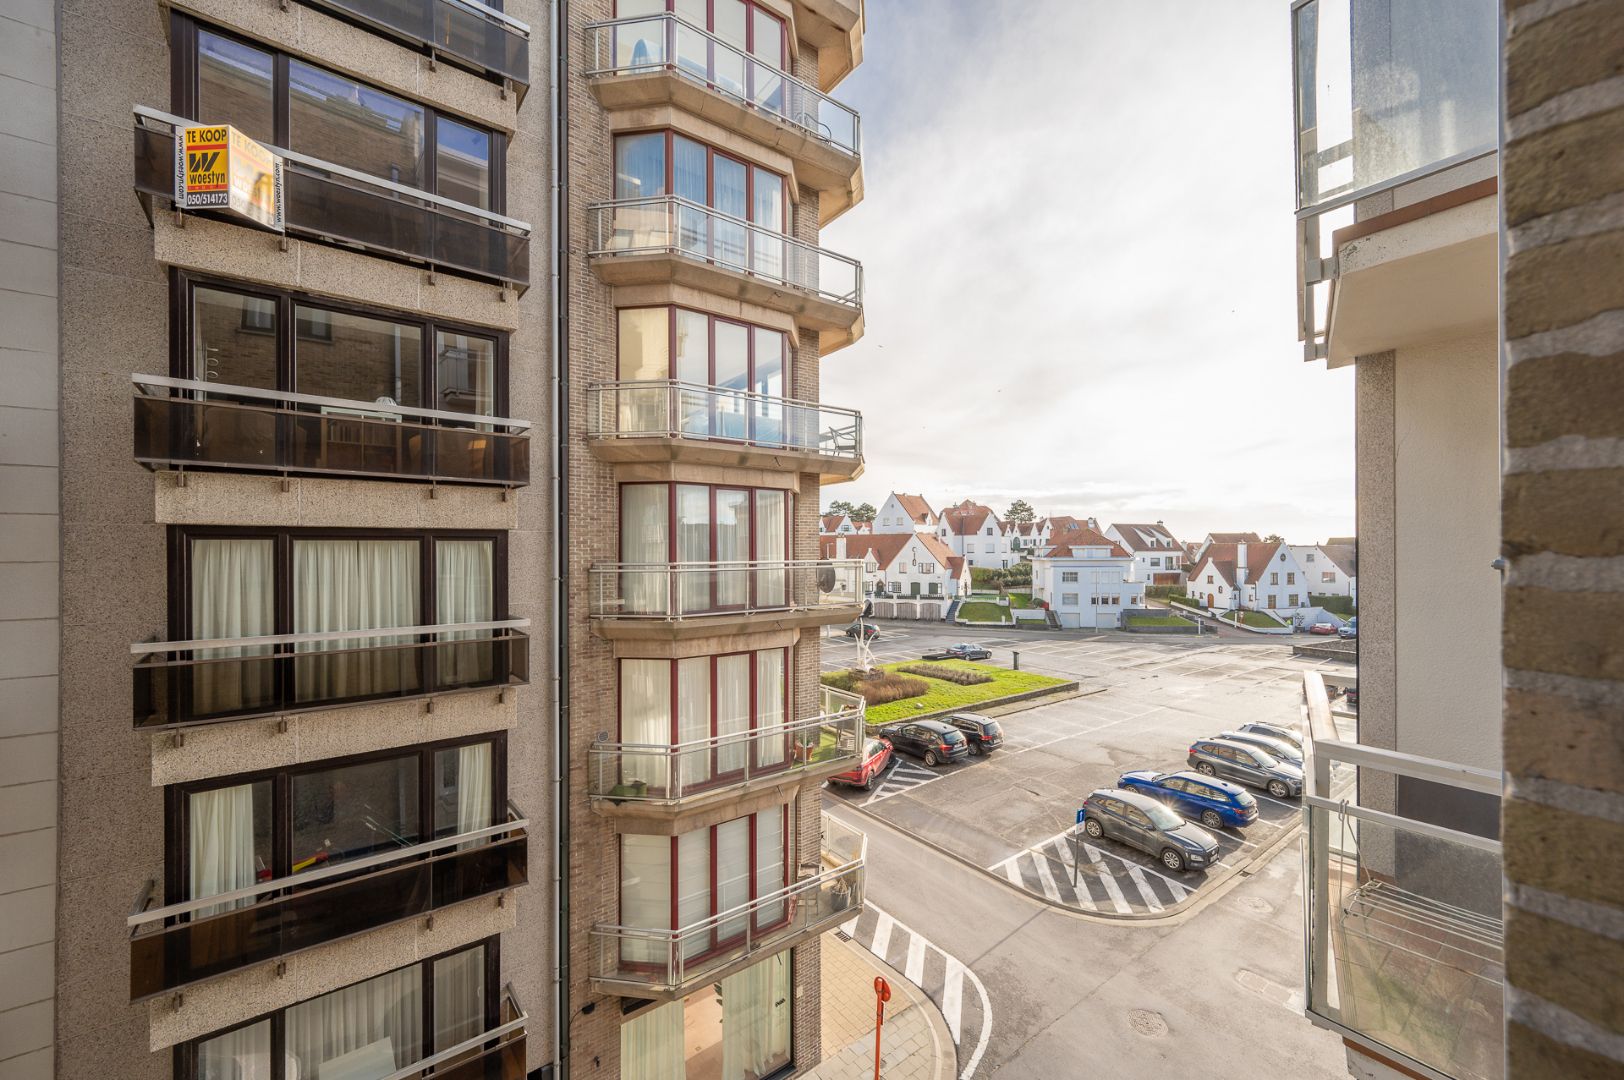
(1020, 512)
(1274, 538)
(863, 513)
(841, 506)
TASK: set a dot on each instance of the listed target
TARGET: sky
(1078, 268)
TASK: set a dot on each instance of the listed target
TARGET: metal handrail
(672, 63)
(142, 648)
(145, 113)
(249, 892)
(403, 411)
(678, 384)
(674, 749)
(490, 14)
(805, 884)
(477, 1042)
(673, 394)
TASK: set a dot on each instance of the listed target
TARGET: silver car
(1280, 748)
(1274, 731)
(1250, 765)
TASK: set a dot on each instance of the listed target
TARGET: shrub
(952, 675)
(1336, 605)
(1165, 592)
(878, 687)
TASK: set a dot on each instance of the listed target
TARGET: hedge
(1165, 592)
(952, 675)
(1336, 605)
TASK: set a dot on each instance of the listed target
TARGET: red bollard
(882, 994)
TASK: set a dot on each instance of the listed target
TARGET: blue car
(1213, 802)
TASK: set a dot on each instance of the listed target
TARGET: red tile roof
(916, 507)
(1062, 543)
(1137, 537)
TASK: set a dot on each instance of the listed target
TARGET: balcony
(328, 203)
(184, 943)
(670, 239)
(642, 779)
(498, 1054)
(181, 683)
(1398, 100)
(664, 60)
(187, 424)
(670, 601)
(666, 964)
(1405, 941)
(465, 32)
(709, 425)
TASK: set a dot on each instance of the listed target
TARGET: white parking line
(1145, 893)
(1114, 890)
(1044, 877)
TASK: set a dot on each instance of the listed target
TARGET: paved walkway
(915, 1044)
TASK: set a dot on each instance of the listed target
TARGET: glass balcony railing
(646, 44)
(462, 30)
(668, 774)
(497, 1054)
(187, 424)
(678, 410)
(330, 203)
(695, 590)
(1405, 940)
(183, 943)
(1387, 91)
(179, 683)
(650, 962)
(668, 225)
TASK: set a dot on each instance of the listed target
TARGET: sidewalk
(915, 1044)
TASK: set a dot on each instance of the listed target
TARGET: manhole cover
(1147, 1023)
(1257, 904)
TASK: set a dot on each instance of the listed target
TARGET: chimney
(840, 546)
(1240, 563)
(1160, 524)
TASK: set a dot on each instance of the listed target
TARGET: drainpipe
(558, 83)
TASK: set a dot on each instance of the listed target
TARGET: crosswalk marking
(916, 960)
(953, 996)
(882, 936)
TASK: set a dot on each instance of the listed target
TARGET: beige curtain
(645, 718)
(651, 1045)
(354, 585)
(645, 895)
(244, 1054)
(221, 854)
(770, 705)
(233, 595)
(459, 998)
(733, 710)
(756, 1020)
(465, 592)
(360, 1032)
(694, 718)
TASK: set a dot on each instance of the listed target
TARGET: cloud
(1077, 247)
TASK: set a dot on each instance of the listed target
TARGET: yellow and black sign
(220, 168)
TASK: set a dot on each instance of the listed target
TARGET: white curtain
(651, 1045)
(474, 810)
(770, 705)
(732, 874)
(756, 1020)
(244, 1054)
(354, 585)
(645, 895)
(694, 546)
(694, 718)
(233, 595)
(733, 546)
(361, 1032)
(733, 710)
(693, 888)
(465, 592)
(459, 998)
(645, 537)
(770, 864)
(771, 520)
(645, 717)
(222, 857)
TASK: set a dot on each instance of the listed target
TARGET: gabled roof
(1235, 538)
(1258, 558)
(968, 517)
(1141, 537)
(915, 507)
(940, 553)
(885, 547)
(1061, 544)
(955, 566)
(831, 522)
(1343, 551)
(1221, 557)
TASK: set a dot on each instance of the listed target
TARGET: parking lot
(1144, 700)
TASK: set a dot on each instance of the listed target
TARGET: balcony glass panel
(684, 590)
(676, 410)
(720, 63)
(481, 37)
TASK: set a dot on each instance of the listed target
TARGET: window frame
(716, 777)
(750, 8)
(671, 487)
(185, 1054)
(183, 286)
(184, 94)
(711, 154)
(711, 319)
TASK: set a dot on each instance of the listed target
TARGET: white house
(1254, 576)
(1086, 579)
(1158, 559)
(908, 575)
(836, 525)
(1332, 567)
(1228, 538)
(905, 514)
(974, 531)
(1027, 538)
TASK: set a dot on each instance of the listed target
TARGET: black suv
(981, 732)
(932, 741)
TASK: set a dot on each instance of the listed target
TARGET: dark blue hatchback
(1213, 802)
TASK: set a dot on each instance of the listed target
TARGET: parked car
(1143, 822)
(962, 651)
(1349, 629)
(867, 629)
(1215, 803)
(1322, 628)
(931, 741)
(983, 733)
(1274, 731)
(1283, 749)
(1250, 765)
(877, 757)
(1351, 696)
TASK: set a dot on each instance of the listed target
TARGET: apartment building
(277, 705)
(704, 153)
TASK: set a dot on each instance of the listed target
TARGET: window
(229, 834)
(730, 1030)
(969, 549)
(234, 335)
(1209, 579)
(927, 568)
(285, 101)
(1291, 600)
(989, 530)
(1308, 556)
(1274, 579)
(1156, 561)
(1328, 577)
(672, 882)
(377, 1026)
(737, 359)
(935, 588)
(1068, 577)
(1068, 599)
(1291, 578)
(700, 523)
(1272, 600)
(1282, 556)
(234, 583)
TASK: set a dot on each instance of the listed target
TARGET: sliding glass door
(722, 548)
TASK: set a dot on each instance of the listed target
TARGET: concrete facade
(108, 781)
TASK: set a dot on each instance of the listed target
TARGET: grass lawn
(1157, 620)
(946, 695)
(983, 611)
(1021, 600)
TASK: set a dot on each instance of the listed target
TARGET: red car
(1322, 628)
(876, 759)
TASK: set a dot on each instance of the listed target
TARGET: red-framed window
(724, 697)
(664, 162)
(746, 366)
(711, 530)
(693, 879)
(743, 25)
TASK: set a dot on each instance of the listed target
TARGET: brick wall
(1562, 187)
